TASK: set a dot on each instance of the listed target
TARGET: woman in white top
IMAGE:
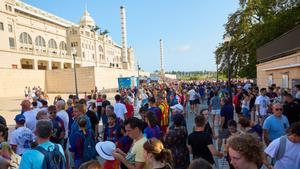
(246, 105)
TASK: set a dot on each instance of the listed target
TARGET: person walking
(275, 125)
(40, 156)
(285, 150)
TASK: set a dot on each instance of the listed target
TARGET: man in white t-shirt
(61, 113)
(262, 102)
(290, 157)
(21, 138)
(30, 114)
(192, 98)
(119, 108)
(39, 104)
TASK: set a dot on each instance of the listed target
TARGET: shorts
(216, 112)
(197, 101)
(246, 113)
(192, 102)
(263, 117)
(224, 134)
(238, 109)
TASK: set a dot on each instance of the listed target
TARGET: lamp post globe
(227, 40)
(74, 53)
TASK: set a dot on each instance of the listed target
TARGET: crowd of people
(147, 128)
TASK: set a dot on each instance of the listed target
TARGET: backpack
(89, 151)
(281, 149)
(52, 159)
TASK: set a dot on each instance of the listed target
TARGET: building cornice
(28, 9)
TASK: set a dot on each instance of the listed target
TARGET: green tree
(255, 23)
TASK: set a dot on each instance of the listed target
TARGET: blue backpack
(52, 159)
(89, 151)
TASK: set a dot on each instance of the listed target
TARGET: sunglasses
(52, 112)
(280, 109)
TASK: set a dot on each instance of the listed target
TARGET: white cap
(177, 106)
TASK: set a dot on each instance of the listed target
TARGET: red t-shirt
(111, 164)
(130, 109)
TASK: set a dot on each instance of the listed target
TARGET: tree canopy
(255, 23)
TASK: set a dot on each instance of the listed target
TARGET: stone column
(35, 64)
(49, 65)
(61, 65)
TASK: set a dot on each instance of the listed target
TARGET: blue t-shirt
(152, 132)
(202, 91)
(216, 103)
(33, 159)
(112, 133)
(276, 126)
(227, 112)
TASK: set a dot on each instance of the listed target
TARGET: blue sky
(190, 29)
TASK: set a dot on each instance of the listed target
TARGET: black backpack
(52, 159)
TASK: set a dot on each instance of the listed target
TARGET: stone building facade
(279, 61)
(35, 39)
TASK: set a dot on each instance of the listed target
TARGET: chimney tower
(161, 57)
(124, 38)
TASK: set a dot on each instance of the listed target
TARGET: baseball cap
(20, 118)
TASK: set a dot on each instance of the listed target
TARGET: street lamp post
(75, 76)
(227, 40)
(138, 78)
(217, 69)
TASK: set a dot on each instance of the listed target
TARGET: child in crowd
(105, 150)
(112, 131)
(153, 129)
(124, 143)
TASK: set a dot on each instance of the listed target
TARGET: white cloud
(184, 48)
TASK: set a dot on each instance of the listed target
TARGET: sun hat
(105, 149)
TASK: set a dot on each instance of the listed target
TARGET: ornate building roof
(87, 20)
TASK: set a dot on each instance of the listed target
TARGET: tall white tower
(124, 38)
(161, 57)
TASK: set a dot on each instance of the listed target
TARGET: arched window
(40, 41)
(52, 44)
(25, 38)
(100, 49)
(62, 45)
